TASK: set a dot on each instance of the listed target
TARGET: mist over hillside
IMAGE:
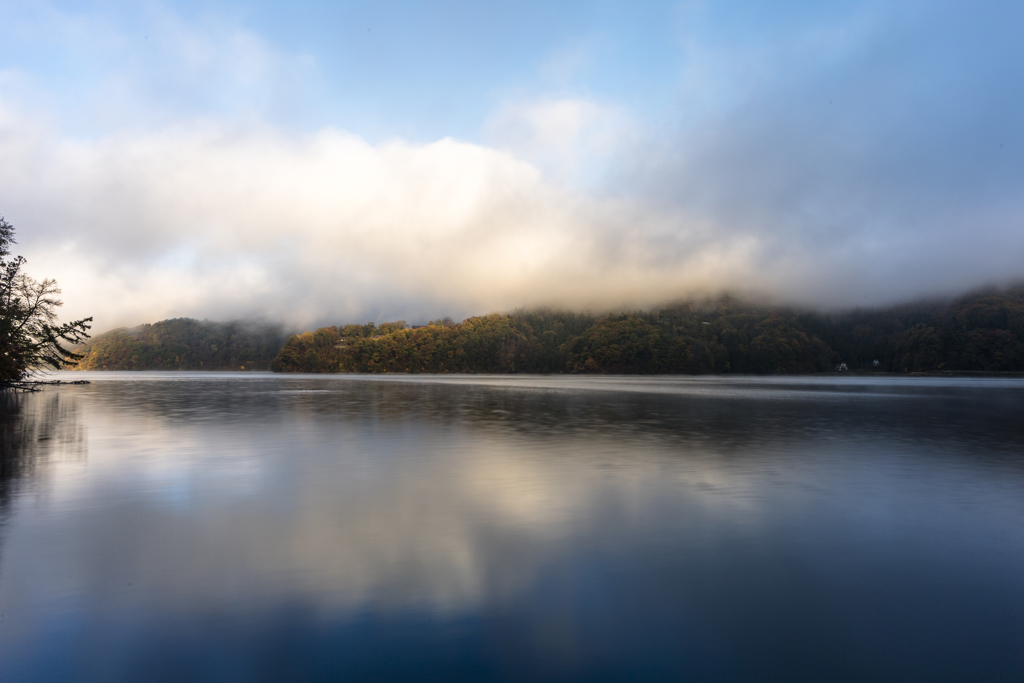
(979, 332)
(854, 154)
(184, 344)
(982, 331)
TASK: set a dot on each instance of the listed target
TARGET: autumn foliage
(983, 331)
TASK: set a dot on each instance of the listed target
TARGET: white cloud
(210, 221)
(196, 203)
(572, 139)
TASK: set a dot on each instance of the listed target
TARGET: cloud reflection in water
(492, 525)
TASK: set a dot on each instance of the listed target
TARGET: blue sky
(321, 162)
(418, 70)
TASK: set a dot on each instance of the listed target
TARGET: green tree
(30, 336)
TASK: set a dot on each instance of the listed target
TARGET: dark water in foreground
(189, 527)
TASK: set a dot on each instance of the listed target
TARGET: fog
(830, 162)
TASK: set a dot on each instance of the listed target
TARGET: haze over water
(223, 527)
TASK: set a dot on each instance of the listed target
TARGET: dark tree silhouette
(31, 339)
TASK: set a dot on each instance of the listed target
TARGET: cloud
(212, 221)
(571, 139)
(872, 155)
(842, 157)
(218, 222)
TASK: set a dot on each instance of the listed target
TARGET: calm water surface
(247, 527)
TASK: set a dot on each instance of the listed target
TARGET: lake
(258, 527)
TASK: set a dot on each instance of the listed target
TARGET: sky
(330, 162)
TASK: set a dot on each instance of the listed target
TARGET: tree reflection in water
(35, 429)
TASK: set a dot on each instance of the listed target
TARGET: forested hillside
(184, 344)
(983, 331)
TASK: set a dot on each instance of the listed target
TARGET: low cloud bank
(210, 222)
(865, 158)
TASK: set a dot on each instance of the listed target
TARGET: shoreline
(850, 373)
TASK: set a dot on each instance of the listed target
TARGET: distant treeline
(983, 331)
(184, 344)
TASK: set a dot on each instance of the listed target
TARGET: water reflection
(248, 528)
(36, 428)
